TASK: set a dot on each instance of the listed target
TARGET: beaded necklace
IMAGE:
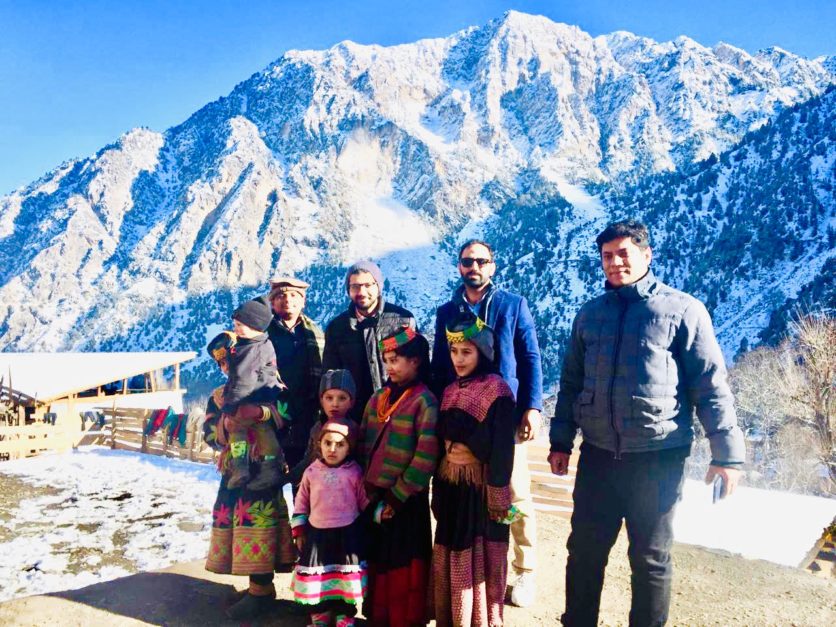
(384, 412)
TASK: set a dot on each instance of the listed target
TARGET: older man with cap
(351, 338)
(299, 342)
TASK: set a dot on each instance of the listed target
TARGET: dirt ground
(709, 589)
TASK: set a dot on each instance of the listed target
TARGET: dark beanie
(338, 380)
(254, 314)
(365, 266)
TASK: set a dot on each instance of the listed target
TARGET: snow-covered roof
(48, 376)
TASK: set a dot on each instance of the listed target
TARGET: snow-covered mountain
(531, 133)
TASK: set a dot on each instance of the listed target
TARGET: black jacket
(352, 345)
(253, 377)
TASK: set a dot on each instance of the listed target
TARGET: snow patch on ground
(133, 512)
(774, 526)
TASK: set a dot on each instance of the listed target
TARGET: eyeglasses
(356, 287)
(467, 262)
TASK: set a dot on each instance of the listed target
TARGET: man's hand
(731, 477)
(559, 462)
(529, 425)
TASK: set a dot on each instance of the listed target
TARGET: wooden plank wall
(127, 432)
(32, 439)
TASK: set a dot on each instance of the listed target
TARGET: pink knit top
(330, 497)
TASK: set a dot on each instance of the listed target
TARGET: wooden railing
(32, 439)
(125, 429)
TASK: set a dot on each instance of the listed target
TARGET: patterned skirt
(470, 563)
(400, 551)
(250, 533)
(331, 568)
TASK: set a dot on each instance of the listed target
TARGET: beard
(476, 280)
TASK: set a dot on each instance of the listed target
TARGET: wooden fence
(32, 439)
(125, 429)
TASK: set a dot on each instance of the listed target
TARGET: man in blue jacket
(642, 361)
(518, 360)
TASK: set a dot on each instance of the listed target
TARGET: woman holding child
(250, 528)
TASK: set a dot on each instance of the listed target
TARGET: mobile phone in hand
(718, 489)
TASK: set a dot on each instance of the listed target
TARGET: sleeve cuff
(499, 497)
(727, 464)
(297, 523)
(557, 447)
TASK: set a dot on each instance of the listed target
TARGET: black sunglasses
(467, 262)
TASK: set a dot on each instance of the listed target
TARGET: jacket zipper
(619, 333)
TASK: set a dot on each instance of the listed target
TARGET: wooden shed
(55, 393)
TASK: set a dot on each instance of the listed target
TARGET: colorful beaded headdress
(404, 336)
(220, 345)
(454, 337)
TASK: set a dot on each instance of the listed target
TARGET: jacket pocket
(654, 409)
(583, 405)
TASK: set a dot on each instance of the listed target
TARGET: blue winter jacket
(643, 361)
(517, 353)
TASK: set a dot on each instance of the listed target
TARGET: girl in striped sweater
(400, 449)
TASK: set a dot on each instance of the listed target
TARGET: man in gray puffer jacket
(642, 361)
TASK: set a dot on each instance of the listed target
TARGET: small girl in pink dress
(330, 577)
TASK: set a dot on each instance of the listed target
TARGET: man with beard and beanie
(298, 341)
(642, 361)
(351, 339)
(518, 362)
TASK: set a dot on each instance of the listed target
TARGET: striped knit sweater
(406, 457)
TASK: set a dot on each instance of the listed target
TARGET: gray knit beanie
(338, 380)
(365, 266)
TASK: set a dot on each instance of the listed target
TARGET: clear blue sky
(76, 75)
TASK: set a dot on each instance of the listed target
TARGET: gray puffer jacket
(642, 361)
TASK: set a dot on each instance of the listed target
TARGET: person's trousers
(524, 531)
(642, 489)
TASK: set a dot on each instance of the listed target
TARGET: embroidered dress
(331, 573)
(250, 528)
(401, 449)
(469, 565)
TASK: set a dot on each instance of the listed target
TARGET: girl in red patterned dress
(471, 493)
(400, 450)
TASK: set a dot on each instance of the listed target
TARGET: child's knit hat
(338, 380)
(345, 427)
(255, 314)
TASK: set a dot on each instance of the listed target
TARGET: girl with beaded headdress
(400, 449)
(471, 493)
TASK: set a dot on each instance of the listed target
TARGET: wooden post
(113, 427)
(124, 387)
(144, 447)
(177, 376)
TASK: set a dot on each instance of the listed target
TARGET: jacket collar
(642, 289)
(352, 313)
(461, 300)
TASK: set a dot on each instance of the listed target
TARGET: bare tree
(785, 399)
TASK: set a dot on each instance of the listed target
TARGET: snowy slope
(522, 129)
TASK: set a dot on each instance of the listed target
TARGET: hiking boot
(269, 475)
(522, 590)
(250, 607)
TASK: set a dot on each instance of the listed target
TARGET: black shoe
(268, 476)
(250, 607)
